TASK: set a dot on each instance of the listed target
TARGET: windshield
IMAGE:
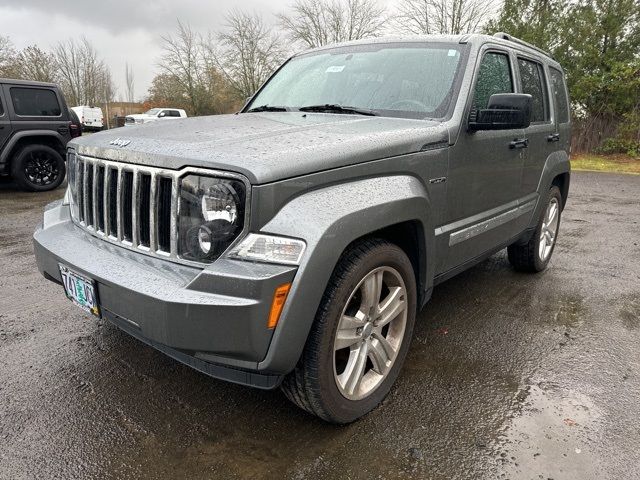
(411, 80)
(153, 111)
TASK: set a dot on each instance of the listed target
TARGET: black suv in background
(35, 126)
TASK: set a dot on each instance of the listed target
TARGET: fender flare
(329, 220)
(556, 164)
(8, 148)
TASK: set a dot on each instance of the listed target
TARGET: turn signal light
(279, 297)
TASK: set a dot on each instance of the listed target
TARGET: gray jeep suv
(293, 243)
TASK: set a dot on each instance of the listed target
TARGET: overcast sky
(121, 30)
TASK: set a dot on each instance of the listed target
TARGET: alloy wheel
(549, 229)
(370, 333)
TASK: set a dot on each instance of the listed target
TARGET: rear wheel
(360, 336)
(38, 168)
(534, 256)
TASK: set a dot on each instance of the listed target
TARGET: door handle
(519, 143)
(554, 137)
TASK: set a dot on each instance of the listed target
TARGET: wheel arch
(22, 139)
(330, 220)
(409, 236)
(562, 181)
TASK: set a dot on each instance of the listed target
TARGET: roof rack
(511, 38)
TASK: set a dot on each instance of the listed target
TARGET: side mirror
(506, 111)
(161, 114)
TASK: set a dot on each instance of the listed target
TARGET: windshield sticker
(335, 69)
(452, 53)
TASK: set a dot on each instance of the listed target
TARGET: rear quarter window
(1, 108)
(35, 102)
(560, 94)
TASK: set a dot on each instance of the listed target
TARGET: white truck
(154, 115)
(91, 118)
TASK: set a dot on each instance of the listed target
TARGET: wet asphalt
(509, 376)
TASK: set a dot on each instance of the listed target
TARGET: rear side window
(35, 102)
(494, 76)
(560, 95)
(532, 77)
(1, 108)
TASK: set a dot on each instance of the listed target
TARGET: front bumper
(213, 319)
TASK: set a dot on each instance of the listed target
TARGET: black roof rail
(511, 38)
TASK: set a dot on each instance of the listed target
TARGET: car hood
(266, 147)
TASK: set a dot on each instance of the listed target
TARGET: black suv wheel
(38, 168)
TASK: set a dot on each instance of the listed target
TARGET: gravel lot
(509, 376)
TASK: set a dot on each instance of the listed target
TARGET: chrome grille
(132, 205)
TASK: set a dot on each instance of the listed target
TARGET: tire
(38, 168)
(319, 384)
(532, 256)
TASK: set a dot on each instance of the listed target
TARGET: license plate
(80, 290)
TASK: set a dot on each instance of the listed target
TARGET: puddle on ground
(550, 436)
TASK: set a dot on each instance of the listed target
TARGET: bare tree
(320, 22)
(85, 79)
(32, 63)
(248, 52)
(424, 17)
(182, 61)
(129, 80)
(7, 57)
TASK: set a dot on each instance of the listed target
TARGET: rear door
(541, 132)
(5, 124)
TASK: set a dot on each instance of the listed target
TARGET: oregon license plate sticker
(80, 290)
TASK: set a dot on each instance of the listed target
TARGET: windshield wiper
(267, 108)
(335, 108)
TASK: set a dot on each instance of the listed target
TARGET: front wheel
(534, 256)
(360, 336)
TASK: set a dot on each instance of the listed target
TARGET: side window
(35, 102)
(174, 113)
(1, 108)
(532, 77)
(494, 76)
(560, 94)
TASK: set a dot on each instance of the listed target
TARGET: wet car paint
(509, 376)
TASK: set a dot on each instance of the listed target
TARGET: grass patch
(606, 163)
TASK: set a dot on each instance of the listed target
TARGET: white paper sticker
(335, 69)
(452, 53)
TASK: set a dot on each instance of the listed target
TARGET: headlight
(211, 216)
(269, 248)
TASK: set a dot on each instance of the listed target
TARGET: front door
(485, 170)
